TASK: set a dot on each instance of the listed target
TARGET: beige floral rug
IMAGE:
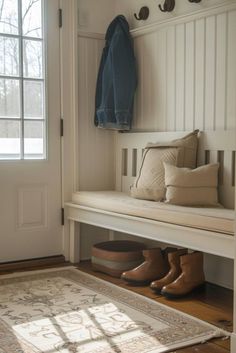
(67, 311)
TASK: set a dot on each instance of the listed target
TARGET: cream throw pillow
(192, 187)
(150, 182)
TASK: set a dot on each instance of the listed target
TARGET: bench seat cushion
(213, 219)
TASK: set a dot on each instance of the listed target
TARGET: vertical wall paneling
(200, 38)
(170, 79)
(231, 71)
(189, 75)
(180, 77)
(160, 81)
(149, 78)
(186, 80)
(221, 26)
(102, 158)
(210, 73)
(139, 102)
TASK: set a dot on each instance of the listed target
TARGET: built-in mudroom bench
(207, 229)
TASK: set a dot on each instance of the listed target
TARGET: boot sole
(197, 289)
(136, 283)
(157, 291)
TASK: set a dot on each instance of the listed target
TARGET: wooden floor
(214, 305)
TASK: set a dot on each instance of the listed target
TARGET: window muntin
(22, 80)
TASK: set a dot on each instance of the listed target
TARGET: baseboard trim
(26, 264)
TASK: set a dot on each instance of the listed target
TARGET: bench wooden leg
(66, 240)
(74, 242)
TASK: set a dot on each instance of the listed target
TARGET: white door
(30, 171)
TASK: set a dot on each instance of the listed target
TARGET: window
(22, 80)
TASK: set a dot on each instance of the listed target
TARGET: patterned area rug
(67, 311)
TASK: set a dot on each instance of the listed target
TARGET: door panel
(30, 190)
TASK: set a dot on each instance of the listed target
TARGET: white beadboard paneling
(160, 81)
(200, 27)
(148, 80)
(220, 81)
(231, 72)
(96, 159)
(189, 75)
(139, 53)
(170, 79)
(190, 82)
(186, 73)
(210, 78)
(180, 77)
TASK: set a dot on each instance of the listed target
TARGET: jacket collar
(120, 21)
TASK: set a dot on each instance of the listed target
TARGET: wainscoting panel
(231, 71)
(101, 175)
(187, 75)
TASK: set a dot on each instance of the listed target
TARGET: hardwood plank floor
(213, 305)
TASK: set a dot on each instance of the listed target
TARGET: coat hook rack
(143, 14)
(196, 1)
(168, 6)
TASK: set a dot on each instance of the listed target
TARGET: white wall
(187, 80)
(94, 15)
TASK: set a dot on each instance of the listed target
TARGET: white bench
(96, 209)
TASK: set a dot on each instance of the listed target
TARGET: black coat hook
(168, 6)
(143, 14)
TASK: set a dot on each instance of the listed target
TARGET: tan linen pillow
(150, 182)
(192, 187)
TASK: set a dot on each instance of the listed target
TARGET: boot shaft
(155, 266)
(174, 257)
(192, 266)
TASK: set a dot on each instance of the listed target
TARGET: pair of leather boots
(171, 272)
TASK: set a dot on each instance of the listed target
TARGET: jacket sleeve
(124, 76)
(98, 96)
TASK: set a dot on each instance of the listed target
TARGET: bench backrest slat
(214, 146)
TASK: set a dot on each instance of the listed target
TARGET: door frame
(69, 107)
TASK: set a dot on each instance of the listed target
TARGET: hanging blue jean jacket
(116, 82)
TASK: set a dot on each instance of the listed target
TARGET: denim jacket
(116, 80)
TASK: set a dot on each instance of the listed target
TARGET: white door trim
(69, 108)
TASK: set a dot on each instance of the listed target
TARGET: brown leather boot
(155, 266)
(191, 278)
(173, 274)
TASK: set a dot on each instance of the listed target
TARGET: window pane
(32, 53)
(33, 100)
(31, 18)
(9, 99)
(34, 140)
(9, 139)
(9, 16)
(9, 56)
